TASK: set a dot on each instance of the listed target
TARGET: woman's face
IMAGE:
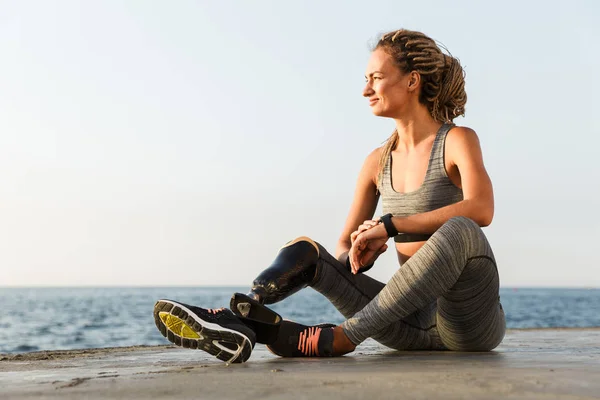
(387, 87)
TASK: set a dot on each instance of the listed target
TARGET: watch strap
(389, 226)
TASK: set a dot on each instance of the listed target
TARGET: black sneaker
(297, 340)
(218, 332)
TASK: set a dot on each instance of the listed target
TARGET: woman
(436, 195)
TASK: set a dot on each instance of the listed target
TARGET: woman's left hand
(367, 247)
(368, 224)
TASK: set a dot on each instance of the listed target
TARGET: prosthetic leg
(294, 268)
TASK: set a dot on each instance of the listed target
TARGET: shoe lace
(215, 310)
(308, 342)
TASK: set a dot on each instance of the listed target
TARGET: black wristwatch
(389, 227)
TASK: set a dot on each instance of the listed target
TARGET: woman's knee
(462, 223)
(463, 227)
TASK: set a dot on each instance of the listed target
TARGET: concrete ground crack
(74, 382)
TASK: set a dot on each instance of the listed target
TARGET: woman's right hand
(368, 224)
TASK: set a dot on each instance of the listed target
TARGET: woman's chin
(378, 112)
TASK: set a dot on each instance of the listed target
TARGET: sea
(34, 319)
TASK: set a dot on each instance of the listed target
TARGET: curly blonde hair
(442, 78)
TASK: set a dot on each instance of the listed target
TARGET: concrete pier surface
(529, 364)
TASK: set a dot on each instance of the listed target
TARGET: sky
(152, 143)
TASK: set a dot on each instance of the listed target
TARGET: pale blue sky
(181, 143)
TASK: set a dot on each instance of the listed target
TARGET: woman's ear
(414, 79)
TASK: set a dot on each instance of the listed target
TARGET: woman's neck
(414, 128)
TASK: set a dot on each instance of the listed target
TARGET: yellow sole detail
(178, 326)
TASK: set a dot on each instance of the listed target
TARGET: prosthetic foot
(262, 320)
(293, 269)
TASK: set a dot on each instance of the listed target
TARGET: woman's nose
(368, 90)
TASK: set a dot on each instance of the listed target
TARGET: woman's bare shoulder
(374, 156)
(371, 164)
(370, 167)
(461, 138)
(462, 134)
(463, 146)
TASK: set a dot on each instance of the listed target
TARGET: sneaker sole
(185, 329)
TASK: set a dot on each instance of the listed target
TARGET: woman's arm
(464, 153)
(363, 205)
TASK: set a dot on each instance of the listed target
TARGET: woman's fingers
(351, 256)
(368, 224)
(357, 232)
(355, 254)
(360, 254)
(353, 259)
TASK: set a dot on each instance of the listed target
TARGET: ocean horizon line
(245, 287)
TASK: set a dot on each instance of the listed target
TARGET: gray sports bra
(436, 191)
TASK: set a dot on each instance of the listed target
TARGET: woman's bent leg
(303, 262)
(446, 269)
(350, 293)
(469, 315)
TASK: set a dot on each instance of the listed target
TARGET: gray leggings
(443, 297)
